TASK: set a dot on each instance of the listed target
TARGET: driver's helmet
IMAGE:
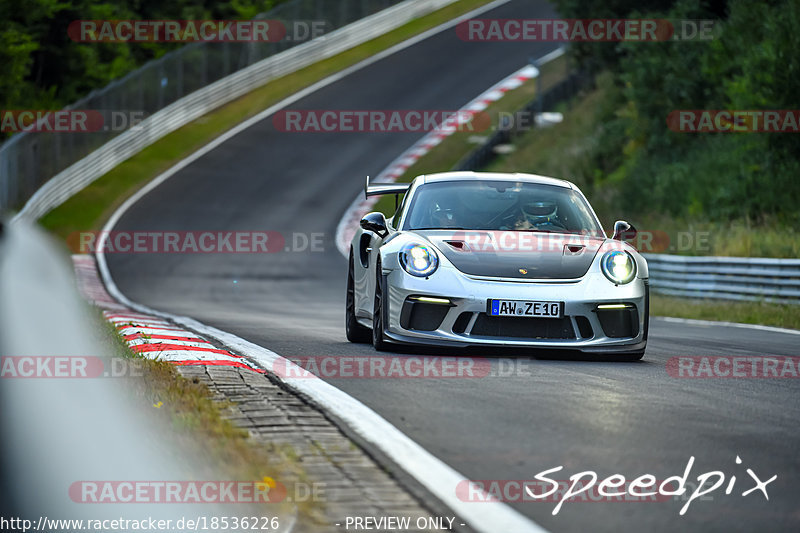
(537, 213)
(444, 213)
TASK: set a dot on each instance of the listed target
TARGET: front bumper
(462, 320)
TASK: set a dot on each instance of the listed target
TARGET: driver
(537, 214)
(444, 214)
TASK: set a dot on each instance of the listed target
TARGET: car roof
(494, 176)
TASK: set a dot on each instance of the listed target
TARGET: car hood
(516, 254)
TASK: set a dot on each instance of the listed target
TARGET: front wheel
(378, 313)
(355, 332)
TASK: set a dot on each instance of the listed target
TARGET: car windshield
(500, 205)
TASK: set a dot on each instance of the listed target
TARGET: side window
(399, 213)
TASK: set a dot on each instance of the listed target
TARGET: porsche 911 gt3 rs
(472, 259)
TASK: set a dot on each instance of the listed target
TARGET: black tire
(378, 313)
(355, 332)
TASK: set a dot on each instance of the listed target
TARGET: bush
(45, 69)
(751, 64)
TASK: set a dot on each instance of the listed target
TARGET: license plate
(525, 308)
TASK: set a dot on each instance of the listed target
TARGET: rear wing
(378, 189)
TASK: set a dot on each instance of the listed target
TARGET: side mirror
(376, 223)
(624, 231)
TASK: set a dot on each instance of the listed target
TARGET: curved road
(610, 418)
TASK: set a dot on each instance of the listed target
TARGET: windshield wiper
(438, 227)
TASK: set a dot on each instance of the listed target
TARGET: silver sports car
(487, 259)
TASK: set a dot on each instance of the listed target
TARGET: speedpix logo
(587, 486)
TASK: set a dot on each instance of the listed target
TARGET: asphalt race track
(631, 418)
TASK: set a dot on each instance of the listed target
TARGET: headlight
(619, 267)
(418, 259)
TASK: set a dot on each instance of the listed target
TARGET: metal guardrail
(43, 169)
(67, 422)
(728, 278)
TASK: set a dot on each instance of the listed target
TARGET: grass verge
(764, 313)
(88, 209)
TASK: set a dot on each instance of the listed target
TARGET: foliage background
(44, 69)
(636, 161)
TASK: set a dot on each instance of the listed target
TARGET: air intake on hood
(461, 246)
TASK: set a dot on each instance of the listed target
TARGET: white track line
(199, 343)
(695, 322)
(440, 479)
(147, 330)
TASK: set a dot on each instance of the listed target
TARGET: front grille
(523, 328)
(584, 327)
(461, 323)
